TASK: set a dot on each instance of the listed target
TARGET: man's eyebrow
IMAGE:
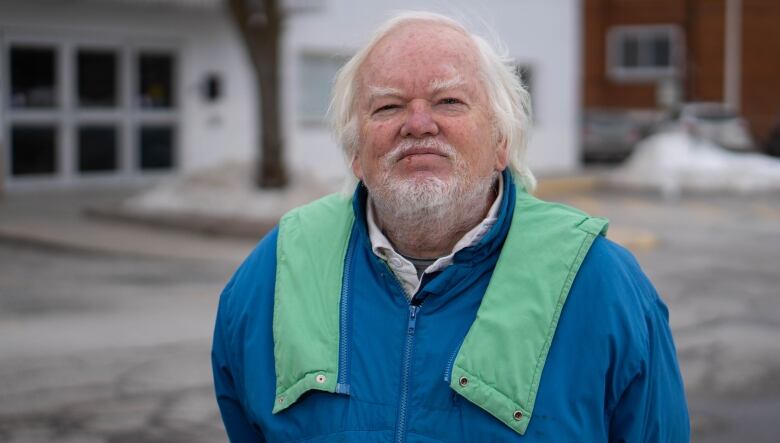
(438, 85)
(383, 91)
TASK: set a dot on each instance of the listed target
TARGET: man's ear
(502, 154)
(357, 169)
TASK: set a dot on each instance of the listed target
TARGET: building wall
(537, 33)
(599, 16)
(706, 50)
(761, 65)
(703, 22)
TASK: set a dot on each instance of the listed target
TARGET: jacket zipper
(342, 382)
(400, 432)
(451, 362)
(411, 326)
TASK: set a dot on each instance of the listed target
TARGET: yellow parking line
(634, 239)
(587, 204)
(706, 210)
(765, 211)
(635, 205)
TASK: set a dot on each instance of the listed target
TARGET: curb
(22, 239)
(130, 241)
(205, 224)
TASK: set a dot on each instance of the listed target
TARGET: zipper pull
(412, 318)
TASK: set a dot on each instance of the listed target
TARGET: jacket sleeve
(238, 427)
(652, 407)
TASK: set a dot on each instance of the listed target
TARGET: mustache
(428, 145)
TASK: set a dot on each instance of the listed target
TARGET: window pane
(33, 150)
(97, 148)
(156, 147)
(661, 51)
(317, 73)
(526, 74)
(97, 82)
(33, 78)
(630, 52)
(155, 81)
(526, 77)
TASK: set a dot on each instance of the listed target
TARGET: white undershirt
(403, 269)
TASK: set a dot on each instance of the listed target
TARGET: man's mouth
(422, 151)
(408, 150)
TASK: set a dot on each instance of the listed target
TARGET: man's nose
(419, 121)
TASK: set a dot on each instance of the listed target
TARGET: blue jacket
(611, 373)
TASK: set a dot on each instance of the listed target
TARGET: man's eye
(450, 101)
(385, 108)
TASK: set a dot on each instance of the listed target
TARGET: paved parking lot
(716, 262)
(104, 347)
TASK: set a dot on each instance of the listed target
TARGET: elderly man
(440, 302)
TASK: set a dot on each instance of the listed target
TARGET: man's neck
(434, 234)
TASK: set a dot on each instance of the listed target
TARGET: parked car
(610, 135)
(772, 146)
(717, 123)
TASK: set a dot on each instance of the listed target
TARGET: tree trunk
(260, 23)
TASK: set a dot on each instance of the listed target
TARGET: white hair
(509, 100)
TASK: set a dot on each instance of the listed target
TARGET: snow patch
(227, 190)
(674, 161)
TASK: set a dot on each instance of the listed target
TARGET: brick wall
(601, 91)
(703, 26)
(706, 50)
(761, 64)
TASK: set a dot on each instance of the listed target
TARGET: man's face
(423, 111)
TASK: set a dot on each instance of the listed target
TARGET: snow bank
(674, 161)
(226, 190)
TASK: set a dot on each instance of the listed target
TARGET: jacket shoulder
(615, 308)
(613, 271)
(253, 281)
(332, 206)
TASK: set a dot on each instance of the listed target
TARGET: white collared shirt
(403, 269)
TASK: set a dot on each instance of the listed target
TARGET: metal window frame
(67, 116)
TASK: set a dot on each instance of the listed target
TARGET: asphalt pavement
(105, 325)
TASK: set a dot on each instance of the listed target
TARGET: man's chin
(422, 177)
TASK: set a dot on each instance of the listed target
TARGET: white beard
(432, 202)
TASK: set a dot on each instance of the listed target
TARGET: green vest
(516, 320)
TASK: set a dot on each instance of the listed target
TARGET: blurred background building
(118, 92)
(708, 59)
(115, 92)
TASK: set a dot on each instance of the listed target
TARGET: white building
(103, 92)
